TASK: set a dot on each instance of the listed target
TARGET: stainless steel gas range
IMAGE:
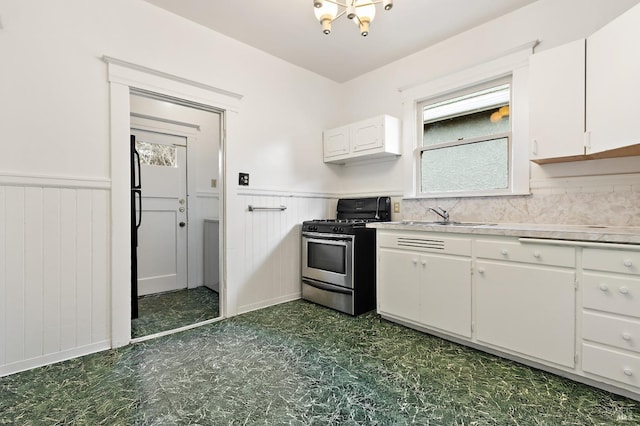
(339, 255)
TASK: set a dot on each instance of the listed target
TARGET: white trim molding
(164, 75)
(124, 78)
(52, 181)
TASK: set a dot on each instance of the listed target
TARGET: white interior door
(162, 237)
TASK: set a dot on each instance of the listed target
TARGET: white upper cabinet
(574, 89)
(557, 94)
(376, 137)
(613, 84)
(336, 142)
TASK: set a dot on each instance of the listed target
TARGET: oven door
(328, 258)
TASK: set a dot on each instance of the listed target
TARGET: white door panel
(162, 242)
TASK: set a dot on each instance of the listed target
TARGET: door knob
(182, 224)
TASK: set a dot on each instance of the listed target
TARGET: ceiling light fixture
(361, 12)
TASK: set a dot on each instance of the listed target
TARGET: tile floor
(301, 364)
(167, 311)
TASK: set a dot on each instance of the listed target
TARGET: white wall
(553, 22)
(55, 132)
(55, 128)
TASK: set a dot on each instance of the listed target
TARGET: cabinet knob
(481, 270)
(504, 252)
(415, 261)
(628, 263)
(623, 290)
(626, 336)
(423, 263)
(628, 372)
(536, 254)
(603, 287)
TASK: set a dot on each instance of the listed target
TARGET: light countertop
(591, 233)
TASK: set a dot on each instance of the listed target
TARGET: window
(466, 142)
(154, 154)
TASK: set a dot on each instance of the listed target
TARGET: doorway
(177, 147)
(124, 78)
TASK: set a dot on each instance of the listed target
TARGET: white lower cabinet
(428, 289)
(611, 316)
(527, 309)
(610, 364)
(569, 307)
(445, 293)
(398, 284)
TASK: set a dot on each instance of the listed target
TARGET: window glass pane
(481, 100)
(467, 126)
(470, 167)
(155, 154)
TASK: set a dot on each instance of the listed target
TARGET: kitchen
(281, 150)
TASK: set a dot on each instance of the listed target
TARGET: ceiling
(289, 30)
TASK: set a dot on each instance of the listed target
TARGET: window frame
(420, 148)
(514, 62)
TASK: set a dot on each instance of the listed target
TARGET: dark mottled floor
(167, 311)
(301, 364)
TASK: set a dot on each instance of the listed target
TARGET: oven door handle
(326, 287)
(328, 239)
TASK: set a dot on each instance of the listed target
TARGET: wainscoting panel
(271, 252)
(54, 263)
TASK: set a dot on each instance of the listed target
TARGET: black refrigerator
(136, 220)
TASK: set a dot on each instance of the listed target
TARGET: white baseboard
(271, 302)
(54, 358)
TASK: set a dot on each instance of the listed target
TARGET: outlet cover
(243, 179)
(396, 207)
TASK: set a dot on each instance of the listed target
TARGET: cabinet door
(336, 142)
(367, 134)
(527, 309)
(445, 293)
(398, 284)
(613, 67)
(557, 96)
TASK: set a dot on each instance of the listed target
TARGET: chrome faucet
(441, 212)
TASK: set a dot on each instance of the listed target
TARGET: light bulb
(327, 11)
(326, 14)
(365, 10)
(387, 4)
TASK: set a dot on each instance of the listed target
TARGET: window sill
(467, 195)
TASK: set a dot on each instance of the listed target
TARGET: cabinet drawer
(611, 364)
(616, 294)
(529, 253)
(618, 332)
(621, 261)
(425, 242)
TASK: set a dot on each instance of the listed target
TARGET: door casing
(124, 77)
